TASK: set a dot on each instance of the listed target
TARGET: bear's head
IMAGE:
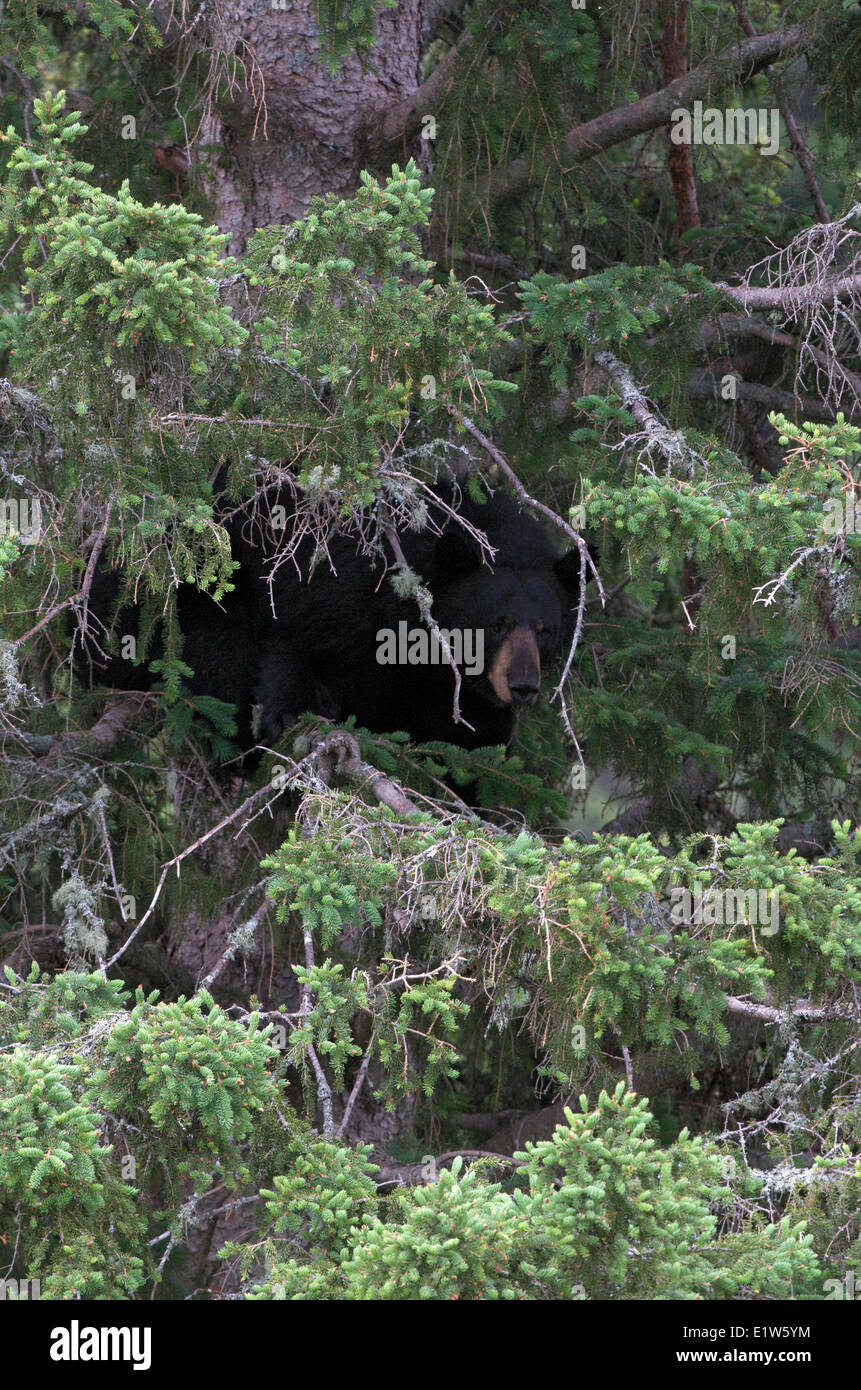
(519, 608)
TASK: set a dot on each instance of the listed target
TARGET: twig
(177, 860)
(530, 502)
(232, 946)
(629, 1070)
(670, 443)
(422, 598)
(357, 1086)
(797, 1008)
(85, 587)
(342, 749)
(324, 1090)
(780, 583)
(796, 139)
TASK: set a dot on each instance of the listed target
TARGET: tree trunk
(290, 128)
(674, 61)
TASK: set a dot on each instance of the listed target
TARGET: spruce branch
(402, 122)
(670, 444)
(340, 750)
(740, 62)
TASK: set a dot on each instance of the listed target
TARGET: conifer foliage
(264, 1024)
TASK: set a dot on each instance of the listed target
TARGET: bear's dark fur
(312, 644)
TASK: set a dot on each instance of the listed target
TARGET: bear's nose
(524, 690)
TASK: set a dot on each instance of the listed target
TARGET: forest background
(299, 1033)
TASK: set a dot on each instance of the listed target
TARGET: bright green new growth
(597, 1211)
(118, 279)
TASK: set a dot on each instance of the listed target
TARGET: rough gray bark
(292, 129)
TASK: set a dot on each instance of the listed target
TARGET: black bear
(342, 642)
(219, 643)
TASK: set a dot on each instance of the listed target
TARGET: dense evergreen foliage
(317, 1029)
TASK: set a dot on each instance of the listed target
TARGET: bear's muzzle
(515, 673)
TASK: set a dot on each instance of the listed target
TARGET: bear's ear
(455, 555)
(567, 570)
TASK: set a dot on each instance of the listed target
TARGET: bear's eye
(502, 625)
